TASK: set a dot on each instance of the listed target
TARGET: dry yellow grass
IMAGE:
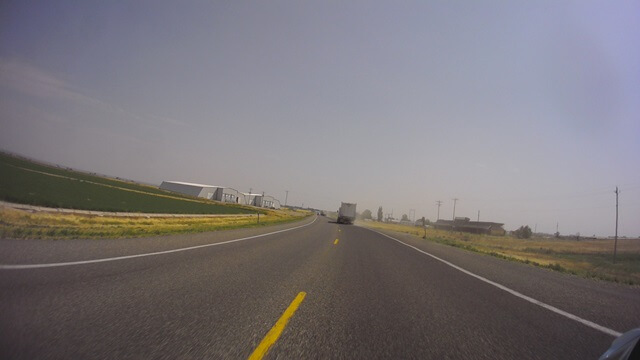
(588, 258)
(43, 225)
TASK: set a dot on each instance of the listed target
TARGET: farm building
(265, 201)
(221, 193)
(270, 202)
(226, 194)
(259, 200)
(249, 199)
(476, 227)
(196, 190)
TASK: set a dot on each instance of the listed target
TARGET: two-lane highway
(365, 296)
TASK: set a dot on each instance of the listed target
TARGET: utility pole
(615, 243)
(478, 215)
(455, 200)
(412, 214)
(438, 203)
(286, 197)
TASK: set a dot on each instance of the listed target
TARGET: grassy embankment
(26, 182)
(41, 225)
(586, 258)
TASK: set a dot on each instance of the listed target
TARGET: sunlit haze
(528, 112)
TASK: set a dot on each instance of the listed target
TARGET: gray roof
(191, 184)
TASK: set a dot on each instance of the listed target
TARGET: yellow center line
(273, 334)
(335, 242)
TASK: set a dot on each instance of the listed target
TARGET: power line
(599, 192)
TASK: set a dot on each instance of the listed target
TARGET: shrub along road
(363, 296)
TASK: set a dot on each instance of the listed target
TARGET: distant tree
(404, 217)
(523, 232)
(366, 214)
(380, 214)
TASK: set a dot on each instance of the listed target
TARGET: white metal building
(197, 190)
(268, 201)
(227, 194)
(250, 199)
(221, 193)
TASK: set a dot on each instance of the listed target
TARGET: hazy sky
(526, 111)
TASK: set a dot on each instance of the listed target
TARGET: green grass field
(61, 171)
(26, 182)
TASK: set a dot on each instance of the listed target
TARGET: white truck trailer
(346, 213)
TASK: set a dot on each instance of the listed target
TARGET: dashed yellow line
(335, 242)
(273, 334)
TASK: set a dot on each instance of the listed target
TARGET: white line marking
(513, 292)
(37, 266)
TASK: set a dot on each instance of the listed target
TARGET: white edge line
(513, 292)
(38, 266)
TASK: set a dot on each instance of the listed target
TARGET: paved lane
(389, 301)
(367, 296)
(215, 302)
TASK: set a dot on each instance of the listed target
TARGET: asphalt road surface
(367, 296)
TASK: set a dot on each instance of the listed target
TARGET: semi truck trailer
(346, 213)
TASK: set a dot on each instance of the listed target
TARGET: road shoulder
(35, 251)
(612, 305)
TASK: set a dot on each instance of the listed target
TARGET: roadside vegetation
(586, 258)
(20, 224)
(27, 182)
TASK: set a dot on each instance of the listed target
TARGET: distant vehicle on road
(346, 213)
